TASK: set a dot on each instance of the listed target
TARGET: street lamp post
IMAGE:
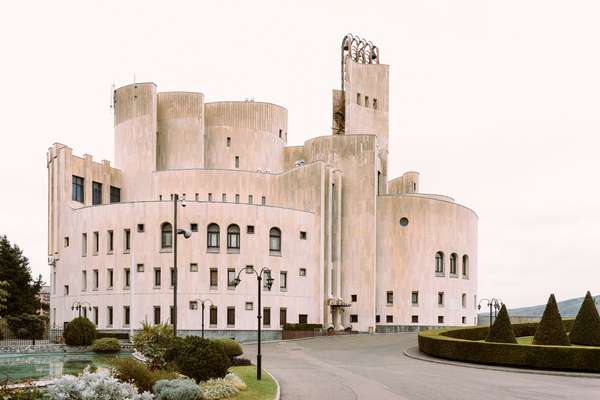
(203, 302)
(494, 305)
(79, 305)
(269, 283)
(186, 234)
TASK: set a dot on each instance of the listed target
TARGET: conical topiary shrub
(586, 328)
(501, 331)
(550, 330)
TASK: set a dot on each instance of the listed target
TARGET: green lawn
(525, 340)
(264, 389)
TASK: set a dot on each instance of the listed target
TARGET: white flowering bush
(177, 389)
(219, 388)
(236, 381)
(93, 386)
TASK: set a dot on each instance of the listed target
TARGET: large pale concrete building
(346, 245)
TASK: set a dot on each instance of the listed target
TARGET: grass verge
(264, 389)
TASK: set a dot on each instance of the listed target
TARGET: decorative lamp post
(494, 305)
(203, 303)
(268, 284)
(186, 234)
(79, 305)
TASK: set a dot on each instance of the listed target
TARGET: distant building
(346, 245)
(44, 297)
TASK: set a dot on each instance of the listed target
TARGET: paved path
(374, 367)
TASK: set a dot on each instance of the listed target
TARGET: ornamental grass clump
(550, 330)
(586, 328)
(79, 332)
(178, 389)
(154, 341)
(215, 389)
(501, 331)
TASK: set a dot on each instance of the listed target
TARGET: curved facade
(345, 247)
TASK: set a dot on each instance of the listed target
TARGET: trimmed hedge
(106, 345)
(232, 347)
(465, 345)
(302, 327)
(116, 335)
(501, 331)
(586, 329)
(550, 331)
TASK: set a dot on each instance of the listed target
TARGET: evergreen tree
(501, 331)
(586, 328)
(550, 330)
(22, 289)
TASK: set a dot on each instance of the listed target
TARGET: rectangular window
(193, 305)
(250, 229)
(377, 319)
(228, 141)
(214, 278)
(95, 315)
(140, 228)
(389, 295)
(213, 316)
(230, 316)
(230, 278)
(464, 320)
(77, 192)
(250, 199)
(302, 318)
(197, 196)
(280, 133)
(374, 104)
(414, 298)
(140, 267)
(109, 316)
(126, 316)
(367, 101)
(193, 267)
(302, 235)
(389, 319)
(440, 319)
(156, 315)
(54, 282)
(210, 197)
(127, 278)
(415, 319)
(194, 227)
(358, 99)
(66, 241)
(283, 280)
(66, 290)
(172, 277)
(127, 244)
(266, 277)
(96, 279)
(302, 272)
(224, 197)
(282, 316)
(464, 300)
(96, 242)
(263, 200)
(353, 298)
(354, 318)
(84, 244)
(115, 194)
(440, 298)
(266, 317)
(157, 277)
(83, 281)
(237, 161)
(249, 306)
(110, 278)
(110, 245)
(96, 193)
(237, 197)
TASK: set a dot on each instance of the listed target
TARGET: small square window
(354, 318)
(464, 320)
(377, 319)
(354, 298)
(302, 272)
(194, 227)
(66, 241)
(415, 319)
(193, 305)
(250, 229)
(389, 319)
(302, 318)
(193, 267)
(140, 268)
(440, 319)
(249, 306)
(140, 228)
(302, 235)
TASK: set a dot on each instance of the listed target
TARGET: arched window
(275, 239)
(166, 236)
(212, 236)
(233, 236)
(465, 265)
(439, 262)
(453, 261)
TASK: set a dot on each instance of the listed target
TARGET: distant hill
(567, 308)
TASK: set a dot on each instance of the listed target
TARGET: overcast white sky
(496, 103)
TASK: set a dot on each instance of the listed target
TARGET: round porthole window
(403, 221)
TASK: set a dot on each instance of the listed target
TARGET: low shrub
(28, 393)
(550, 330)
(236, 381)
(240, 362)
(586, 328)
(106, 345)
(232, 347)
(302, 327)
(198, 358)
(215, 389)
(501, 331)
(79, 332)
(116, 335)
(137, 373)
(154, 341)
(178, 389)
(93, 386)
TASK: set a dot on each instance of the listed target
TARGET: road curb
(278, 392)
(413, 352)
